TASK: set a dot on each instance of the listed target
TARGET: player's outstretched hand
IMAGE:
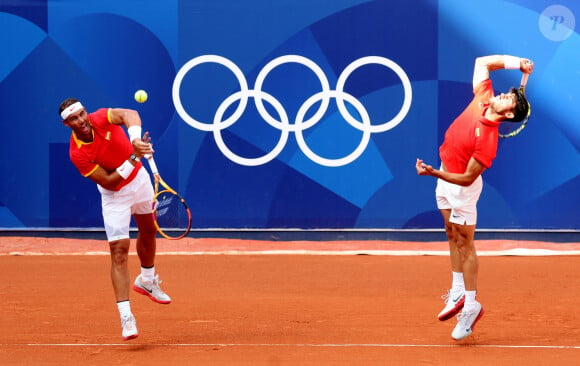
(422, 168)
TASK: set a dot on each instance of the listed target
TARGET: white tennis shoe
(466, 322)
(129, 326)
(453, 304)
(151, 289)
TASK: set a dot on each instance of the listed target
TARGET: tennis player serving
(469, 147)
(101, 151)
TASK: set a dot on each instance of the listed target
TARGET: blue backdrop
(289, 113)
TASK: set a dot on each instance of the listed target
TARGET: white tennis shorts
(118, 206)
(462, 201)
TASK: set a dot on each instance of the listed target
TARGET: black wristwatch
(134, 158)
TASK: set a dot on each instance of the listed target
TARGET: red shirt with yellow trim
(109, 149)
(471, 134)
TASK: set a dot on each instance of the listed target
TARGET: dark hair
(65, 103)
(521, 108)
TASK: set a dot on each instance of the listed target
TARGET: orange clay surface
(242, 302)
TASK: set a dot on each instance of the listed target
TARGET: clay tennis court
(243, 302)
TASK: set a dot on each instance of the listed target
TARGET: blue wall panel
(256, 143)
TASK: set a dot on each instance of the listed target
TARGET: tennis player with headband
(101, 151)
(469, 147)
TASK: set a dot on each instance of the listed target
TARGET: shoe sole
(479, 316)
(144, 292)
(132, 336)
(451, 313)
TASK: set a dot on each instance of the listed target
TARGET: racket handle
(524, 81)
(152, 164)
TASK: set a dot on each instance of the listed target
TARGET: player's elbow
(481, 63)
(467, 180)
(109, 186)
(466, 183)
(109, 182)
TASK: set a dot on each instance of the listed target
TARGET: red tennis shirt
(109, 149)
(471, 134)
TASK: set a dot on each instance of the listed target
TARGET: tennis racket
(171, 214)
(510, 129)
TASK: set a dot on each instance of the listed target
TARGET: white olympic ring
(282, 123)
(243, 95)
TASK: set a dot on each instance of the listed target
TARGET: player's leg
(117, 218)
(148, 282)
(119, 268)
(465, 245)
(472, 310)
(454, 297)
(121, 283)
(456, 263)
(463, 220)
(146, 244)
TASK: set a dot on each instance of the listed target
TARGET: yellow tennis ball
(140, 96)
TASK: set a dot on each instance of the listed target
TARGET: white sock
(124, 309)
(458, 284)
(148, 274)
(469, 300)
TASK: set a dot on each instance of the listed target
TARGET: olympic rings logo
(282, 123)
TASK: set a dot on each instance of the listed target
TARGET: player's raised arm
(132, 121)
(485, 64)
(122, 116)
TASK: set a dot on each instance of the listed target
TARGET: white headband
(73, 108)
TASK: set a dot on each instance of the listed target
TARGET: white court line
(313, 345)
(483, 253)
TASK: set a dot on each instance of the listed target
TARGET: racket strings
(171, 215)
(166, 207)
